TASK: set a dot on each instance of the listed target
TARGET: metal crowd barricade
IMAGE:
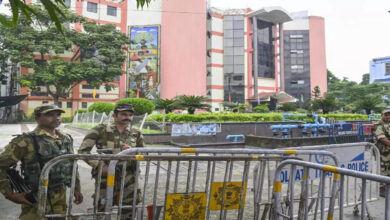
(262, 182)
(370, 164)
(259, 176)
(223, 189)
(337, 173)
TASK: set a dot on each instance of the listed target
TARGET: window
(45, 102)
(387, 68)
(296, 36)
(69, 104)
(84, 105)
(239, 78)
(85, 86)
(89, 95)
(111, 10)
(59, 104)
(92, 7)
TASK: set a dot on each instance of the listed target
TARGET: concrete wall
(183, 48)
(318, 75)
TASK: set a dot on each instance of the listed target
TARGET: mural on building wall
(144, 71)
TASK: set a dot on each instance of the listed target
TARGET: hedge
(141, 106)
(101, 107)
(249, 117)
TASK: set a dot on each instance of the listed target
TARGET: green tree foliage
(191, 103)
(235, 107)
(287, 107)
(316, 93)
(101, 107)
(326, 104)
(331, 78)
(365, 79)
(165, 104)
(140, 105)
(53, 8)
(261, 108)
(97, 53)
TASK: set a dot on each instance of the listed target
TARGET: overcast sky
(356, 30)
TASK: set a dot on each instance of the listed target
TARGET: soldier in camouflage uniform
(115, 137)
(34, 149)
(382, 141)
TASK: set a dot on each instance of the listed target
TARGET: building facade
(380, 70)
(244, 59)
(304, 55)
(186, 47)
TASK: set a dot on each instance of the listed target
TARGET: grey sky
(356, 30)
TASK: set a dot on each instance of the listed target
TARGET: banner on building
(144, 59)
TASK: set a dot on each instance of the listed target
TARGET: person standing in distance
(115, 137)
(34, 149)
(382, 141)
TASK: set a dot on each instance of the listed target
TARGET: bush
(287, 107)
(101, 107)
(261, 108)
(81, 111)
(141, 106)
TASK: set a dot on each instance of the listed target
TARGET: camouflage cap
(47, 108)
(124, 107)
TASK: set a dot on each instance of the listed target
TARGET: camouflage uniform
(22, 149)
(382, 130)
(108, 137)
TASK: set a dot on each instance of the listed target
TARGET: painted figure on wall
(144, 78)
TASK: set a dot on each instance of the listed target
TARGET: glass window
(238, 24)
(67, 2)
(85, 86)
(228, 33)
(228, 60)
(238, 42)
(238, 33)
(228, 51)
(387, 68)
(228, 18)
(84, 105)
(227, 24)
(228, 68)
(238, 68)
(111, 10)
(69, 104)
(238, 59)
(59, 104)
(238, 50)
(237, 78)
(45, 102)
(228, 42)
(92, 7)
(238, 17)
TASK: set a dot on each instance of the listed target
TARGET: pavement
(376, 209)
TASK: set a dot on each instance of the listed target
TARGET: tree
(316, 93)
(235, 106)
(52, 7)
(286, 107)
(331, 78)
(191, 103)
(165, 104)
(326, 104)
(365, 79)
(97, 53)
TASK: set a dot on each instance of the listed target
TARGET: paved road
(6, 131)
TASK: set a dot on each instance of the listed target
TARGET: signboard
(144, 59)
(185, 206)
(350, 158)
(188, 129)
(231, 196)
